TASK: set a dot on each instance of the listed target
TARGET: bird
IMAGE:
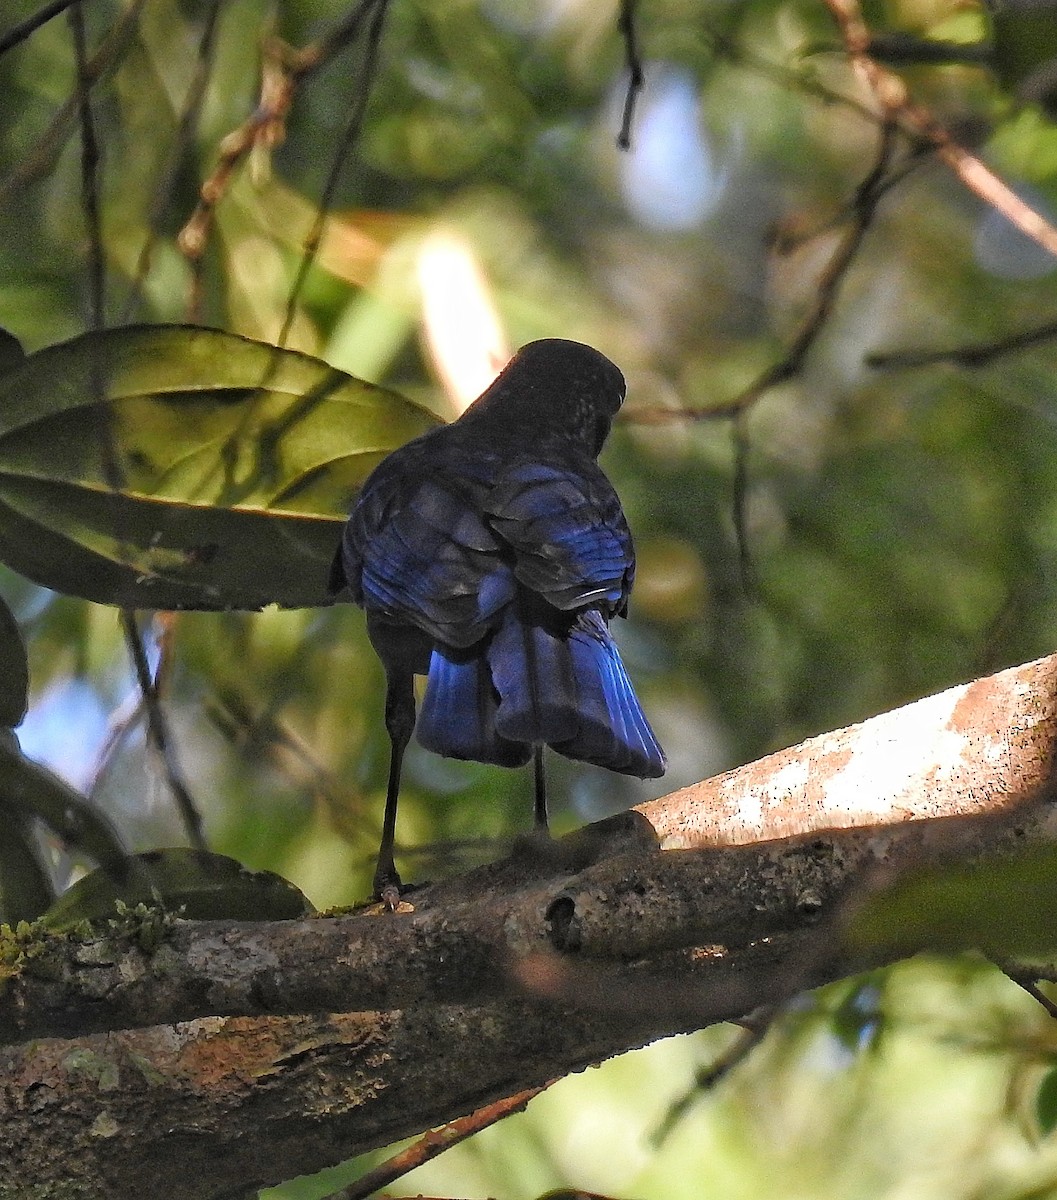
(490, 555)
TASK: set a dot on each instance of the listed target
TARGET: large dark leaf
(11, 352)
(25, 889)
(29, 790)
(14, 669)
(181, 467)
(193, 884)
(1006, 907)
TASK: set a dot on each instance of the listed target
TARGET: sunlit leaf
(193, 884)
(14, 670)
(180, 467)
(1005, 906)
(34, 791)
(25, 889)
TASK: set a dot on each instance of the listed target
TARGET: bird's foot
(535, 846)
(389, 892)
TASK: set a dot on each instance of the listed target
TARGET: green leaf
(857, 1019)
(194, 884)
(25, 889)
(11, 352)
(14, 669)
(181, 467)
(1046, 1102)
(31, 790)
(1006, 907)
(1024, 50)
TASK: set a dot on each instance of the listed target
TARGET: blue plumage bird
(490, 555)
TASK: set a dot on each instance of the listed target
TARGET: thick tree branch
(694, 909)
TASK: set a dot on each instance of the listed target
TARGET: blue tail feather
(573, 693)
(458, 717)
(613, 731)
(533, 675)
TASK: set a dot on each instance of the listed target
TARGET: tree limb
(315, 1040)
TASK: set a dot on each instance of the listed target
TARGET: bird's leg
(399, 722)
(539, 808)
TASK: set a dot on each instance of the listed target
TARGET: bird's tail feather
(458, 717)
(573, 693)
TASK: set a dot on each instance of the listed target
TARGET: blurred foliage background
(863, 532)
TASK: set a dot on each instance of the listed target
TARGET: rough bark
(243, 1053)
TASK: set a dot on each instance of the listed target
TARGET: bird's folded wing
(417, 550)
(565, 525)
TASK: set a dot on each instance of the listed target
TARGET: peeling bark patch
(90, 1065)
(971, 750)
(104, 1126)
(890, 756)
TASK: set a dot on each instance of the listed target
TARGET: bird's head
(557, 388)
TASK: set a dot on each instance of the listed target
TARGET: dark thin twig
(863, 205)
(158, 733)
(89, 174)
(626, 25)
(282, 71)
(131, 713)
(310, 58)
(435, 1143)
(31, 24)
(349, 138)
(156, 724)
(980, 355)
(188, 122)
(893, 98)
(122, 723)
(754, 1028)
(37, 162)
(1030, 985)
(739, 497)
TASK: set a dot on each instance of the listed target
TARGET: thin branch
(752, 1030)
(626, 24)
(158, 733)
(31, 24)
(188, 122)
(863, 205)
(980, 355)
(265, 128)
(895, 102)
(349, 138)
(90, 165)
(1029, 983)
(121, 724)
(128, 717)
(434, 1143)
(282, 70)
(49, 145)
(739, 501)
(306, 61)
